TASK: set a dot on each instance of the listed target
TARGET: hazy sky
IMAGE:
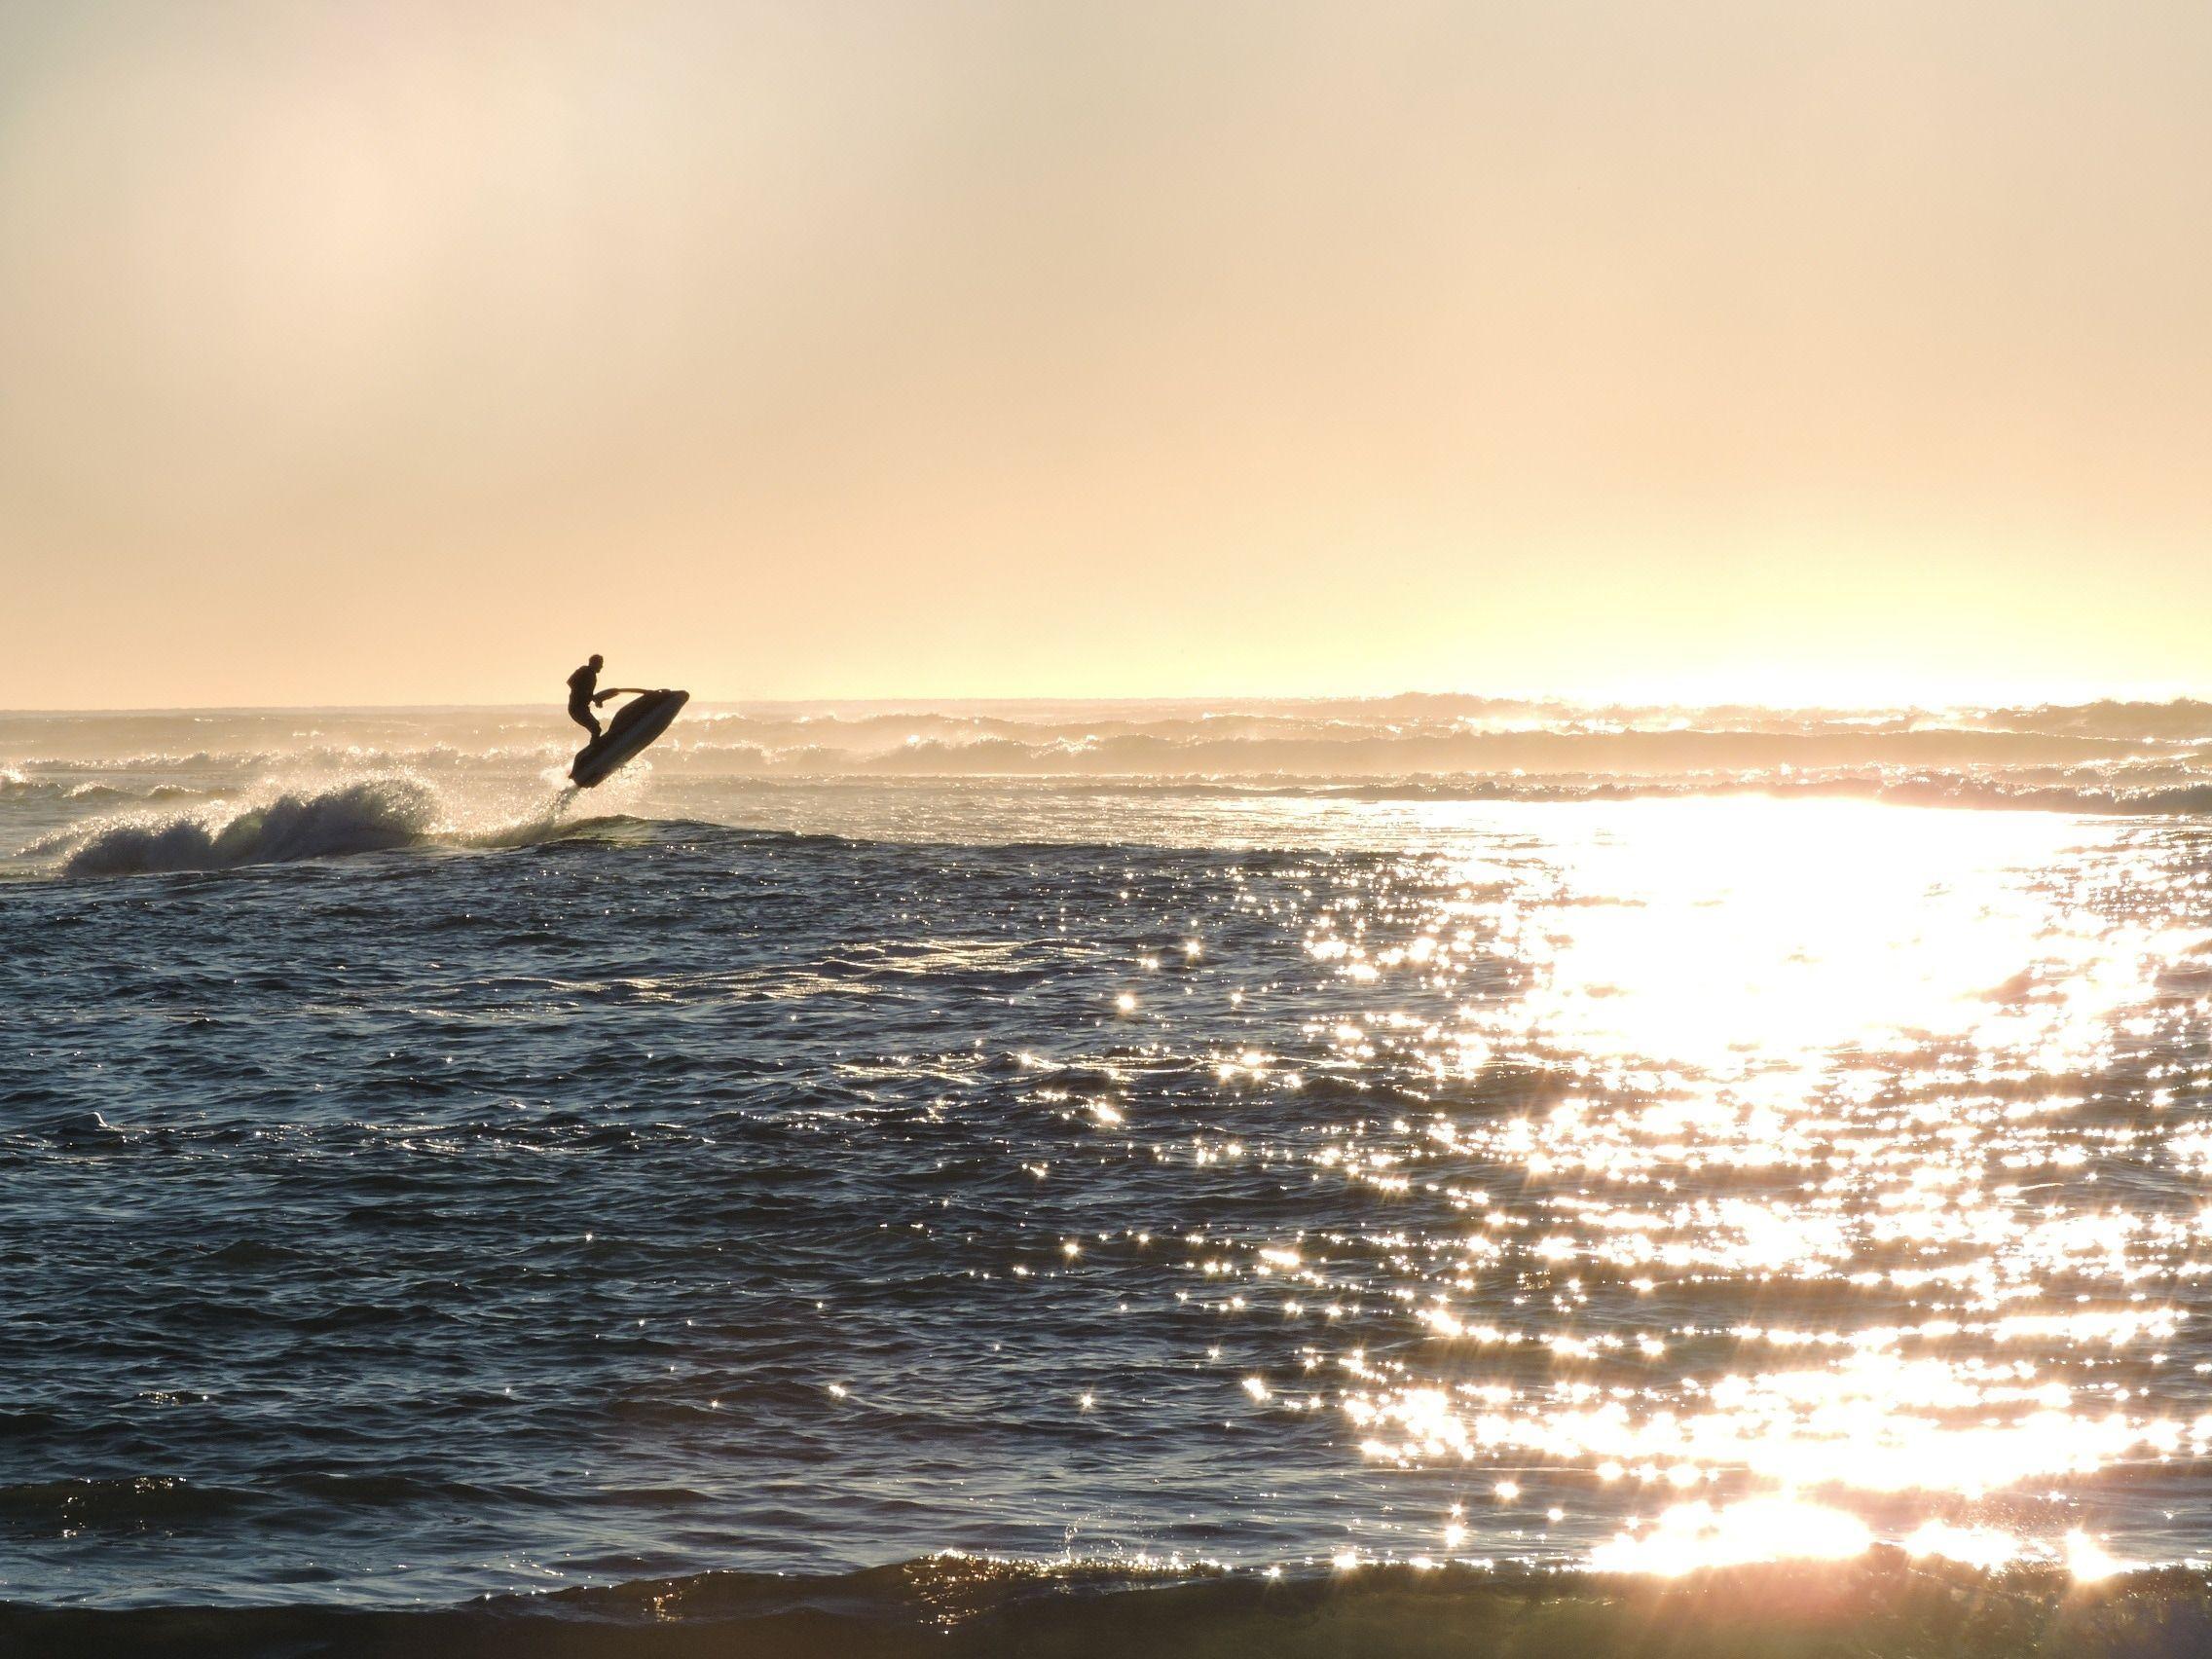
(407, 352)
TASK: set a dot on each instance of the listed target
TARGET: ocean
(1011, 1153)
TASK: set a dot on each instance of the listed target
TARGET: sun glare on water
(1782, 1140)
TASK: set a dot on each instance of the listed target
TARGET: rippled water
(511, 1193)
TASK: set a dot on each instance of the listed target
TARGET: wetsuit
(581, 684)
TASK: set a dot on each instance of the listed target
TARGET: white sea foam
(370, 815)
(77, 791)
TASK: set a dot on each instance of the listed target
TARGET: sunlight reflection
(1692, 1536)
(1773, 1134)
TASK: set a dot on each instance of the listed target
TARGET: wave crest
(365, 816)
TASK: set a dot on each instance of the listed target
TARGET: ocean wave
(37, 770)
(1351, 737)
(2095, 797)
(291, 824)
(216, 791)
(387, 813)
(1929, 788)
(15, 785)
(1881, 1604)
(149, 760)
(370, 815)
(1620, 754)
(1349, 740)
(2183, 720)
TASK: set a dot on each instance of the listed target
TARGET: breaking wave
(372, 815)
(1348, 738)
(118, 794)
(286, 825)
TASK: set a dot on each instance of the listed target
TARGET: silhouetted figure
(582, 685)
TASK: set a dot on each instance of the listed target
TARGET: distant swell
(1937, 788)
(364, 817)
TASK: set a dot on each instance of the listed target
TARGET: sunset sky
(390, 353)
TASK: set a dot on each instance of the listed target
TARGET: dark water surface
(543, 1200)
